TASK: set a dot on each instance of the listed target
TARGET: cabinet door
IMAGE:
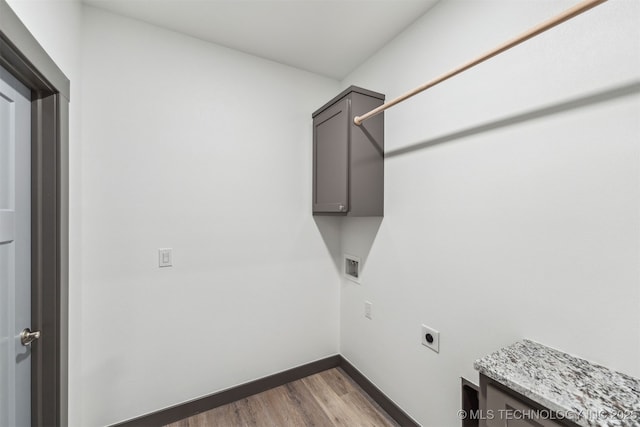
(507, 411)
(331, 159)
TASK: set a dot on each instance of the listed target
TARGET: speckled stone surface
(588, 394)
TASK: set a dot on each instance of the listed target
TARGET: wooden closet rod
(538, 29)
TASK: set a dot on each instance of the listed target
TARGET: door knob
(27, 337)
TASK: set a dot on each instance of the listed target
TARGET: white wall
(205, 150)
(526, 230)
(529, 229)
(56, 26)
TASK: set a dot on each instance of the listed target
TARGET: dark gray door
(331, 159)
(15, 251)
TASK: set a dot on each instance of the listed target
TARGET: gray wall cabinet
(348, 160)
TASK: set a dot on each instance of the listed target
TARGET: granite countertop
(587, 393)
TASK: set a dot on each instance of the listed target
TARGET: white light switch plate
(164, 257)
(367, 309)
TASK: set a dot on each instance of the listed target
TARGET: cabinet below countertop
(530, 385)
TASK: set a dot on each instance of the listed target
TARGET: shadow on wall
(353, 236)
(330, 228)
(358, 237)
(572, 104)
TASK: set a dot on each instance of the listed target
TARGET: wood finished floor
(330, 398)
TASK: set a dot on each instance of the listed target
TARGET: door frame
(25, 59)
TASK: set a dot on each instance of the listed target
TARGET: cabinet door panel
(508, 411)
(331, 159)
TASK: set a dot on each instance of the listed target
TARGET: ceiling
(326, 37)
